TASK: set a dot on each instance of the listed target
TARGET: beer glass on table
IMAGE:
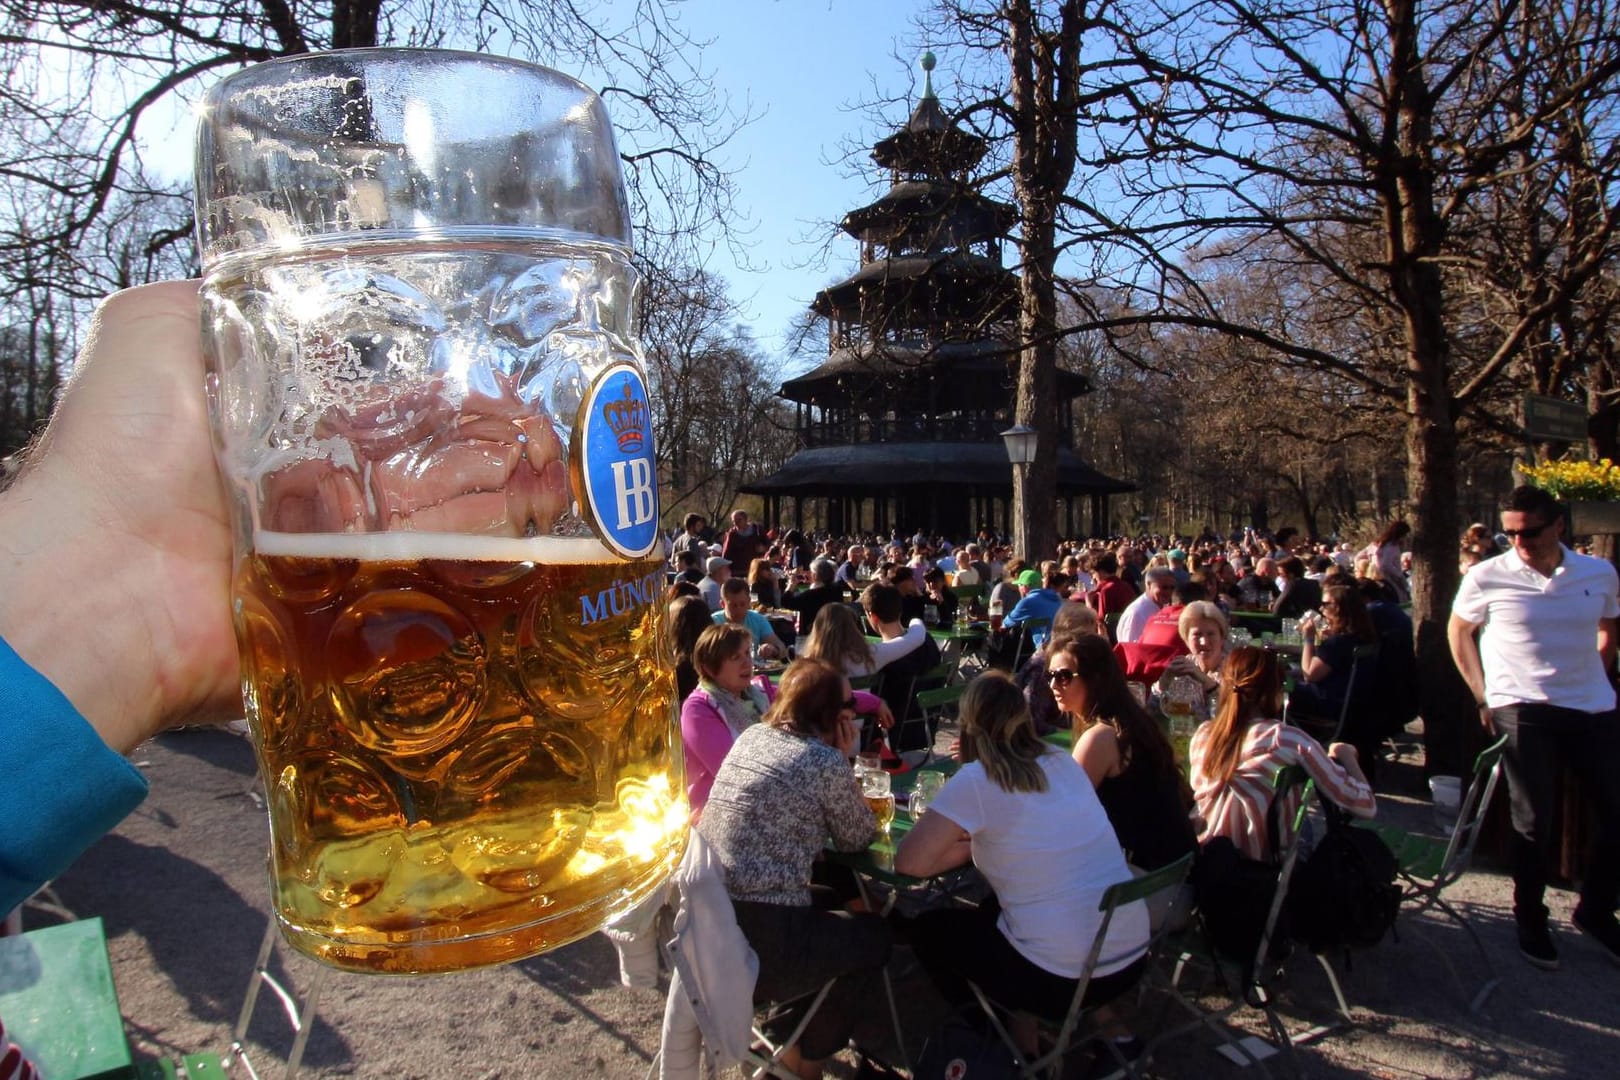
(430, 412)
(875, 787)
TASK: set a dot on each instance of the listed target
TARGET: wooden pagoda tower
(900, 427)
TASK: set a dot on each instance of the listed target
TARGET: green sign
(1548, 419)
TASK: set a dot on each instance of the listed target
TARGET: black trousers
(956, 946)
(800, 949)
(1542, 741)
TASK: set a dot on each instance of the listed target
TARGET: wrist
(62, 607)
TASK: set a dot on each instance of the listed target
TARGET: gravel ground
(182, 887)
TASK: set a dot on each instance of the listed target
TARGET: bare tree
(716, 417)
(85, 82)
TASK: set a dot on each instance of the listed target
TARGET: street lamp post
(1020, 440)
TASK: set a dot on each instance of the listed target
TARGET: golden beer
(469, 744)
(882, 807)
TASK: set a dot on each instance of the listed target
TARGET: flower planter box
(1594, 518)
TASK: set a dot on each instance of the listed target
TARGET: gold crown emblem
(627, 416)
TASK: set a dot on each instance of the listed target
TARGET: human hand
(115, 543)
(885, 716)
(955, 750)
(1487, 718)
(849, 735)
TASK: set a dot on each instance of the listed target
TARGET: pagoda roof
(929, 142)
(913, 199)
(880, 467)
(973, 276)
(989, 360)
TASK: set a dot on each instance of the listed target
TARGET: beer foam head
(416, 546)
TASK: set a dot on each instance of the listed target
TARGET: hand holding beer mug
(430, 412)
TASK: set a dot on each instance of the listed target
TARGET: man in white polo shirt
(1539, 669)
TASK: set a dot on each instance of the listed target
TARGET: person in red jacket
(1112, 594)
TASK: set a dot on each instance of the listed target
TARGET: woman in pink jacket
(728, 700)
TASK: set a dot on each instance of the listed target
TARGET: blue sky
(806, 66)
(805, 69)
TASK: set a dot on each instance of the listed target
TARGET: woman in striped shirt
(1236, 757)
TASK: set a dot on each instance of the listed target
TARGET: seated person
(1325, 661)
(782, 791)
(1236, 757)
(737, 611)
(1158, 590)
(724, 705)
(824, 590)
(1235, 761)
(939, 594)
(1299, 593)
(1028, 817)
(913, 605)
(687, 566)
(1258, 588)
(900, 675)
(688, 617)
(764, 583)
(1204, 631)
(1072, 620)
(1125, 753)
(836, 637)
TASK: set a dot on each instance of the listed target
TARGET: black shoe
(1536, 946)
(1601, 928)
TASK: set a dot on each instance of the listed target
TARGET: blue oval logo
(621, 484)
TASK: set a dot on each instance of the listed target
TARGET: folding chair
(765, 1058)
(1063, 1037)
(707, 949)
(1429, 867)
(936, 706)
(1026, 639)
(1253, 986)
(1362, 661)
(301, 1018)
(934, 678)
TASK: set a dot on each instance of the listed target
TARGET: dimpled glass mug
(431, 415)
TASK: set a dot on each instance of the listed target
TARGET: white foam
(408, 546)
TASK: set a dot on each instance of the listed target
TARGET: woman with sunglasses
(1124, 753)
(782, 791)
(1327, 656)
(1027, 816)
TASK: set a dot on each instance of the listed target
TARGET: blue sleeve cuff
(62, 787)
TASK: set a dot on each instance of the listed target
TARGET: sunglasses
(848, 703)
(1061, 677)
(1529, 533)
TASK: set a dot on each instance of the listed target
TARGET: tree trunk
(1415, 234)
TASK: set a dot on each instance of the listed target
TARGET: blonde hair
(836, 637)
(1202, 611)
(999, 734)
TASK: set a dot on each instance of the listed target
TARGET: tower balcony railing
(956, 428)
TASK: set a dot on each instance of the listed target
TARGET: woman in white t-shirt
(1028, 817)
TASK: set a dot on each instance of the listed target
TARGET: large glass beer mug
(430, 411)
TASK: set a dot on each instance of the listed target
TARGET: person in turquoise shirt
(735, 609)
(115, 567)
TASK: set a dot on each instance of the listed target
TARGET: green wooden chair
(1428, 867)
(1060, 1038)
(1254, 984)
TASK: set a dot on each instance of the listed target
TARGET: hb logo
(633, 491)
(621, 483)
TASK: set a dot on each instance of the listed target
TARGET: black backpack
(1343, 895)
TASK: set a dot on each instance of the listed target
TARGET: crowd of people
(1126, 626)
(143, 642)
